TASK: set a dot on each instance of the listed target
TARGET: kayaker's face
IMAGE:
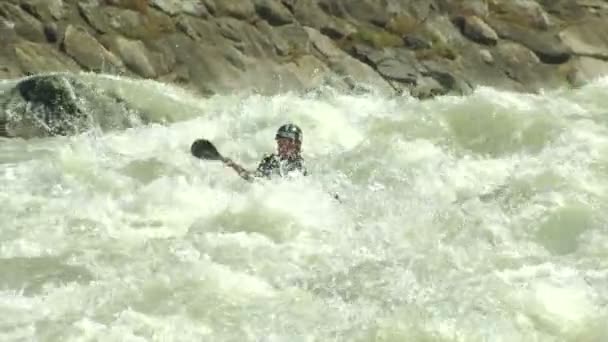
(287, 147)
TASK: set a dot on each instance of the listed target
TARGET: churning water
(478, 218)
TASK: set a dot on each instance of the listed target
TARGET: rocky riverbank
(425, 48)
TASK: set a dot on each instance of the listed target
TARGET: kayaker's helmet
(289, 131)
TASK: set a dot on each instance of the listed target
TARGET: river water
(478, 218)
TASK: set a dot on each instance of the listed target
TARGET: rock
(398, 65)
(23, 23)
(211, 68)
(547, 46)
(8, 69)
(517, 54)
(51, 32)
(297, 38)
(478, 8)
(239, 9)
(396, 70)
(311, 72)
(198, 29)
(135, 56)
(45, 10)
(325, 46)
(486, 56)
(88, 52)
(427, 87)
(280, 46)
(523, 66)
(60, 104)
(476, 30)
(441, 30)
(525, 12)
(245, 37)
(176, 7)
(162, 55)
(415, 42)
(450, 79)
(587, 69)
(308, 13)
(369, 11)
(588, 38)
(274, 12)
(481, 73)
(130, 24)
(35, 58)
(355, 73)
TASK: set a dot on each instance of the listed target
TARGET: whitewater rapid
(478, 218)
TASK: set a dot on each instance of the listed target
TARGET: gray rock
(415, 42)
(175, 7)
(274, 12)
(60, 104)
(589, 38)
(450, 79)
(477, 8)
(311, 72)
(486, 56)
(370, 11)
(527, 12)
(162, 55)
(45, 10)
(395, 65)
(396, 70)
(547, 46)
(476, 30)
(427, 87)
(135, 56)
(22, 22)
(239, 9)
(130, 24)
(325, 46)
(35, 58)
(199, 29)
(587, 69)
(355, 73)
(88, 52)
(245, 37)
(296, 36)
(523, 66)
(310, 14)
(280, 45)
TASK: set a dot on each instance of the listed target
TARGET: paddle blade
(204, 149)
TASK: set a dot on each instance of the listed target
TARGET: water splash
(463, 219)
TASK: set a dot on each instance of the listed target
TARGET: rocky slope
(423, 47)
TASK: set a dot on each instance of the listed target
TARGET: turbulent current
(477, 218)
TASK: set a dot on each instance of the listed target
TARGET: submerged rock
(60, 104)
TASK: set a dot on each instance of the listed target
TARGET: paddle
(204, 149)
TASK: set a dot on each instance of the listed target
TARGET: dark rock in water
(60, 104)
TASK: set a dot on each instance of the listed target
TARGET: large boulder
(175, 7)
(546, 45)
(528, 13)
(24, 24)
(35, 58)
(589, 38)
(88, 52)
(60, 104)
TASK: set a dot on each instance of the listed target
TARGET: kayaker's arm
(244, 173)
